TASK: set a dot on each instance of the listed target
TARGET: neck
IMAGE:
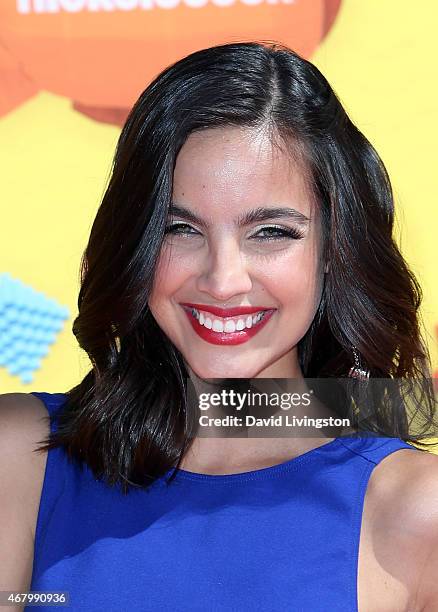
(228, 450)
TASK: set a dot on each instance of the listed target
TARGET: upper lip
(226, 312)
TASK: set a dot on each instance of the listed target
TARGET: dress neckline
(259, 474)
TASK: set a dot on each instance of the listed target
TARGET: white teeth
(218, 326)
(228, 326)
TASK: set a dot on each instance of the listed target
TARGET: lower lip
(223, 338)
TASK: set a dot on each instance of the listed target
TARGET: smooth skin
(221, 174)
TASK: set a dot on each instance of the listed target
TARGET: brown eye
(180, 229)
(279, 233)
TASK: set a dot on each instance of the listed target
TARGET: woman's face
(270, 262)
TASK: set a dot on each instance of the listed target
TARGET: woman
(246, 233)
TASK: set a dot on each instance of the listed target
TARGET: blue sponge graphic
(29, 322)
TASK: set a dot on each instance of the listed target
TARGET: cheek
(170, 274)
(297, 286)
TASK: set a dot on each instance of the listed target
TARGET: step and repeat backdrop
(71, 69)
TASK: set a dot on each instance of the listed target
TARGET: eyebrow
(256, 215)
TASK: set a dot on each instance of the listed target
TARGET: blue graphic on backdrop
(29, 323)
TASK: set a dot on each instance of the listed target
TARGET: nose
(225, 272)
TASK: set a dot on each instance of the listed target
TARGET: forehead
(230, 169)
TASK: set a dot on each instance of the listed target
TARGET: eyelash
(285, 234)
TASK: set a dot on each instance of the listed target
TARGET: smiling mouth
(227, 325)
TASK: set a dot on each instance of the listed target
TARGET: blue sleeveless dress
(282, 538)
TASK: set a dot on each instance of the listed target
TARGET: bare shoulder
(404, 499)
(406, 482)
(16, 407)
(420, 516)
(24, 425)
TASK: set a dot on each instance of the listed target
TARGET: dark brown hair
(127, 419)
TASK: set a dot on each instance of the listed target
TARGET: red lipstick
(226, 338)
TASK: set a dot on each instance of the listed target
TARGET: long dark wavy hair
(127, 418)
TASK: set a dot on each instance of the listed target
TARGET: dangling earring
(356, 371)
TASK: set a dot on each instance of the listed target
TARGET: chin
(223, 372)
